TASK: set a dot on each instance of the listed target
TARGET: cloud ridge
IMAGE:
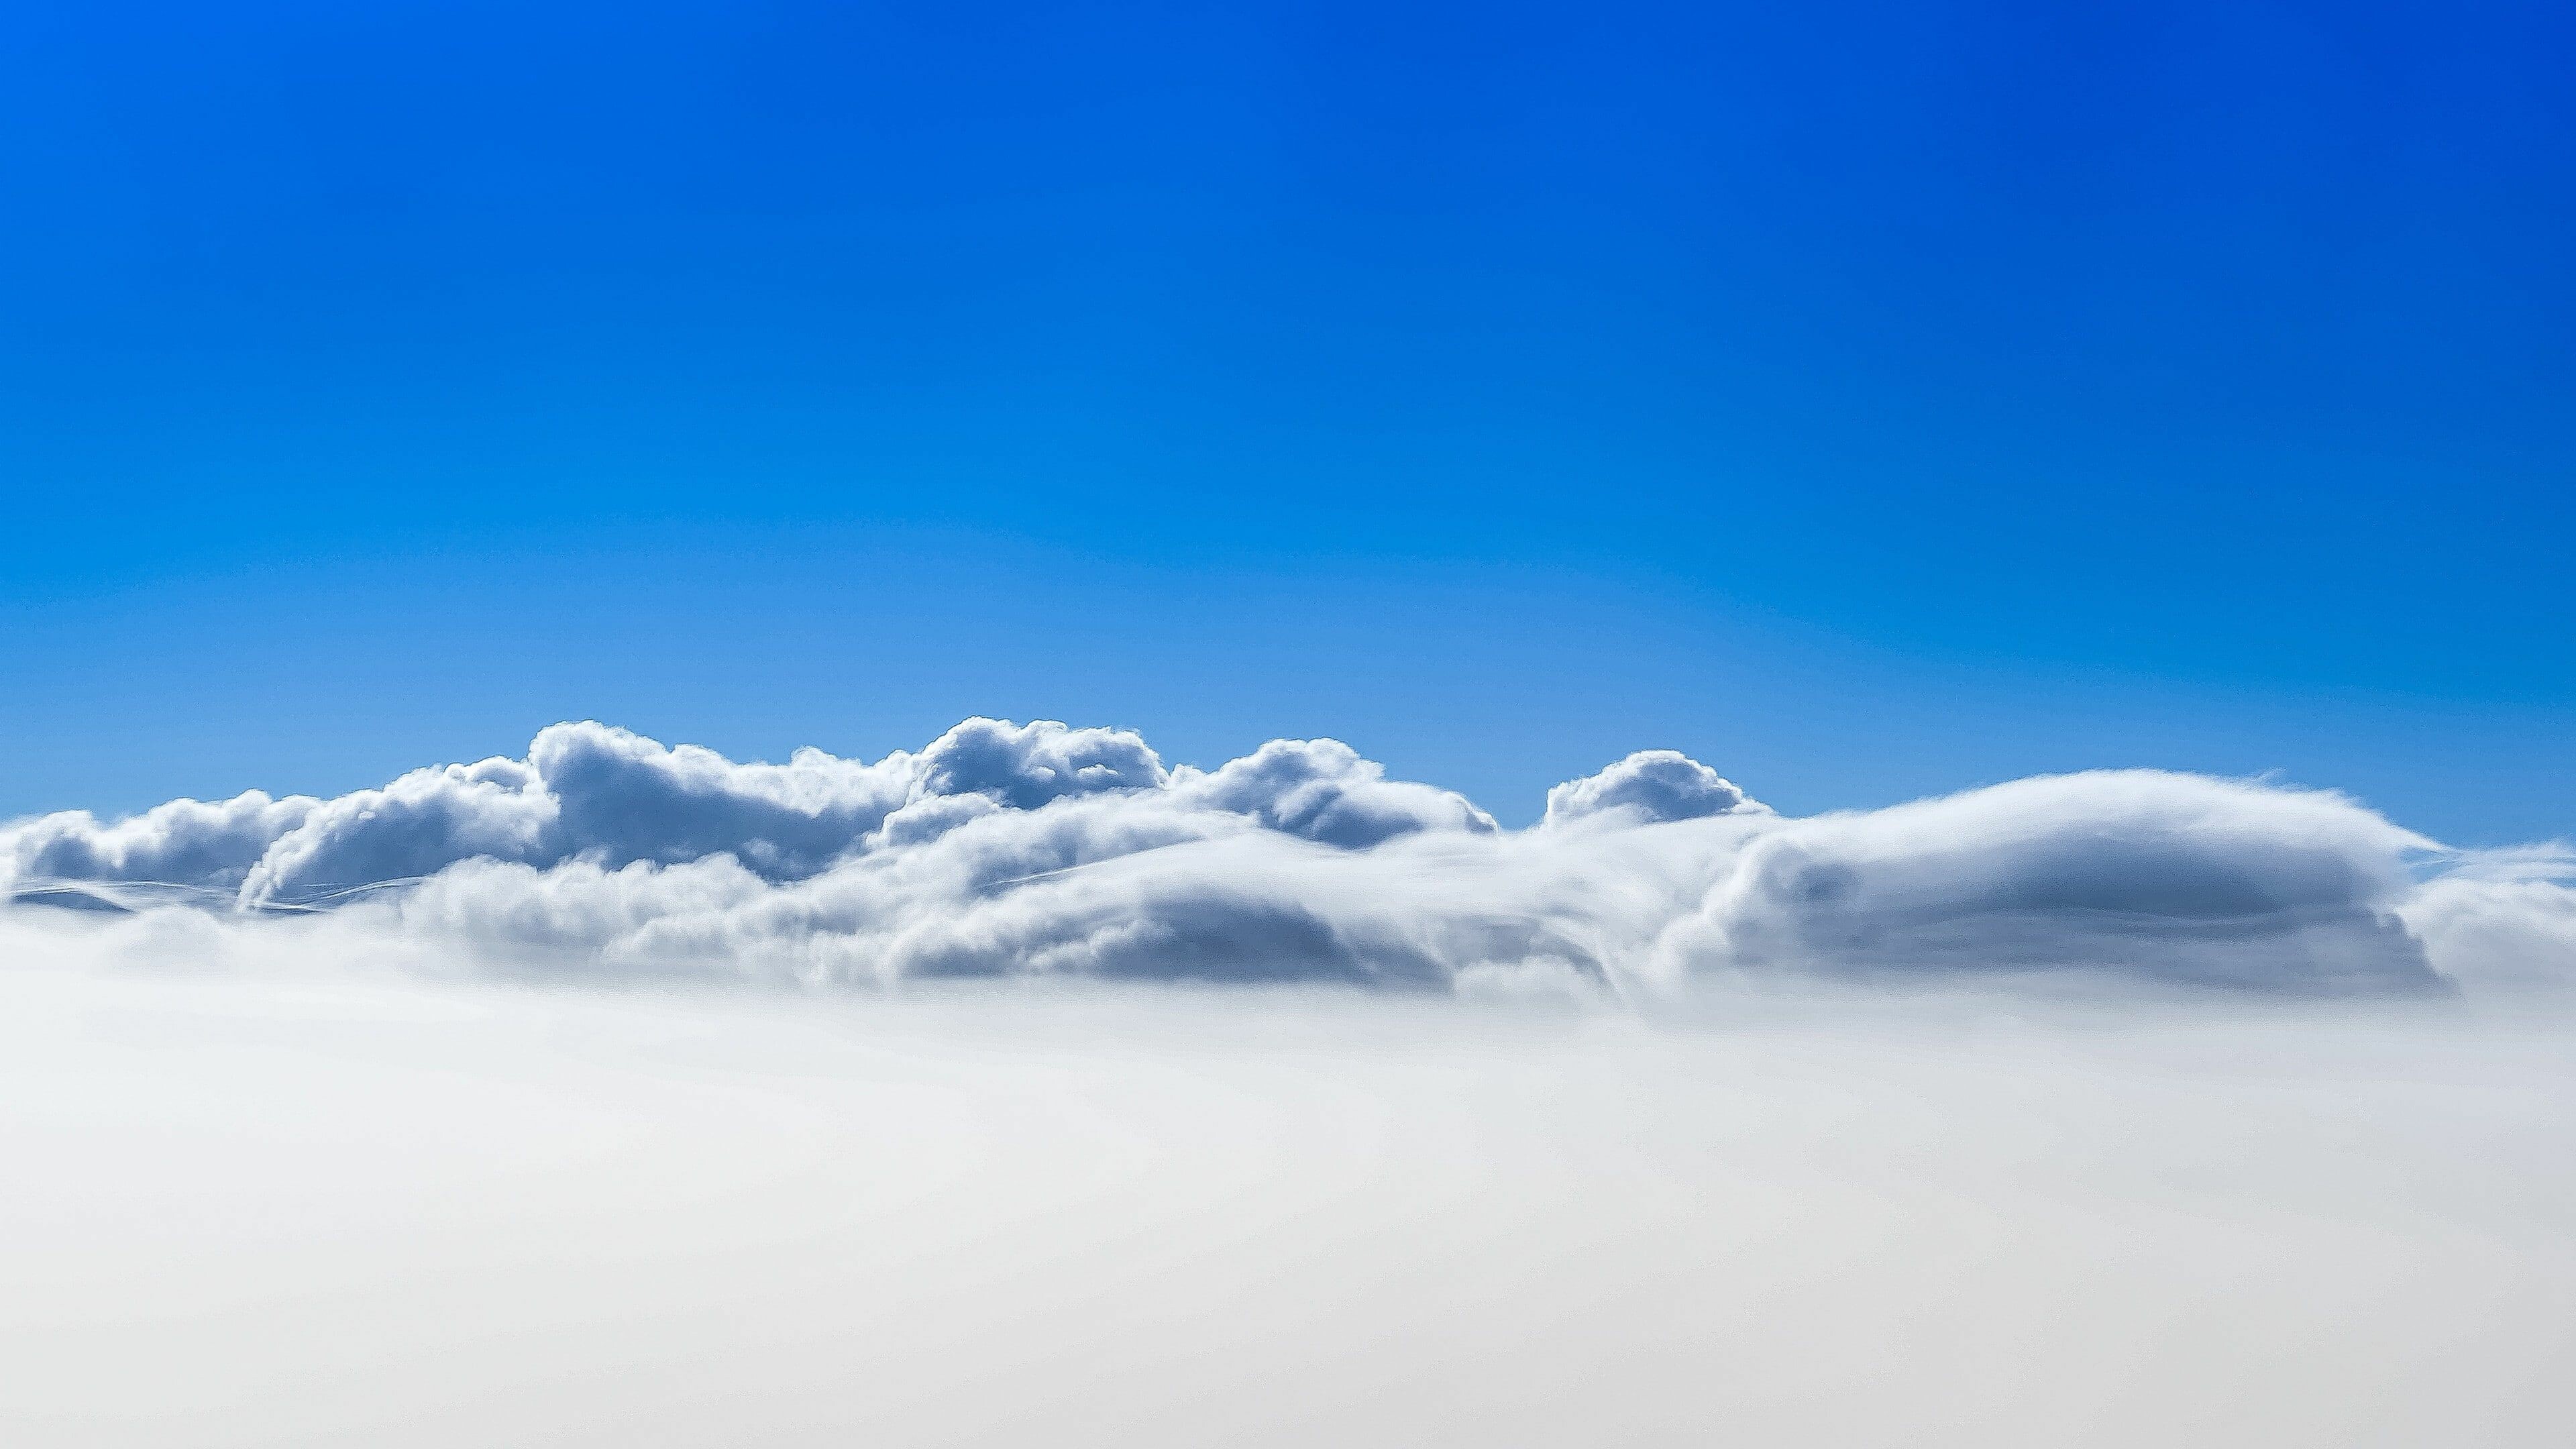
(1045, 850)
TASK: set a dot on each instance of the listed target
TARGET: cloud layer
(372, 1210)
(1044, 850)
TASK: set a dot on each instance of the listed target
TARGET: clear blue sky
(1869, 400)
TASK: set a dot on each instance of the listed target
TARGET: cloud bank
(1044, 850)
(376, 1210)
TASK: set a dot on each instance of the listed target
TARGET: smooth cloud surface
(381, 1211)
(1045, 850)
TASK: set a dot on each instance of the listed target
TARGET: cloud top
(1004, 849)
(1647, 786)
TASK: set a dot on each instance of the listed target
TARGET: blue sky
(1869, 400)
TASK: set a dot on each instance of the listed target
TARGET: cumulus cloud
(585, 792)
(1647, 786)
(1043, 850)
(419, 824)
(2134, 872)
(187, 842)
(2504, 918)
(1027, 766)
(1322, 790)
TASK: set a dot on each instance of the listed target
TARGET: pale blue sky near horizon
(1872, 401)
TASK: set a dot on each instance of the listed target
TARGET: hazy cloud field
(1016, 1091)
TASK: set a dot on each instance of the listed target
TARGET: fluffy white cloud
(586, 792)
(1649, 785)
(416, 826)
(1039, 849)
(185, 842)
(2507, 918)
(1322, 790)
(2136, 872)
(1026, 766)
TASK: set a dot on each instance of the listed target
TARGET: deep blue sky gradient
(1870, 400)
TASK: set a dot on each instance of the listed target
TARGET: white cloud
(190, 842)
(2504, 918)
(1322, 790)
(1038, 849)
(416, 826)
(1026, 766)
(2137, 872)
(365, 1209)
(1647, 786)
